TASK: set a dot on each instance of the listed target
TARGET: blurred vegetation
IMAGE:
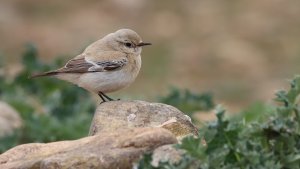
(245, 142)
(49, 108)
(188, 102)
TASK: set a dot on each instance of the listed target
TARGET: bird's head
(127, 41)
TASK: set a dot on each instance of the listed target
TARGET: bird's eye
(129, 45)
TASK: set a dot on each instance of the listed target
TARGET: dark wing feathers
(75, 66)
(80, 65)
(112, 65)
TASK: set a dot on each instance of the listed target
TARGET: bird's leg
(104, 95)
(101, 96)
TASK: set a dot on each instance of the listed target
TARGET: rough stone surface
(114, 115)
(106, 150)
(9, 119)
(120, 133)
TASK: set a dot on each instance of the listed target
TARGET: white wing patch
(95, 66)
(106, 65)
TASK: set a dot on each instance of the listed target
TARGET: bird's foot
(105, 98)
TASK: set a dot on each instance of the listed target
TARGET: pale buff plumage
(106, 65)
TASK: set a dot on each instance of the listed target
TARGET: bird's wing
(84, 65)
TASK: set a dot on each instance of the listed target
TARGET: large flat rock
(106, 150)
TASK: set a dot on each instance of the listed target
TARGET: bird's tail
(51, 73)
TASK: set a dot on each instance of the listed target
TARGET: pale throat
(134, 64)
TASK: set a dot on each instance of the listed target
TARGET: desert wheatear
(106, 65)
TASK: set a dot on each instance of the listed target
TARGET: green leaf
(194, 146)
(145, 162)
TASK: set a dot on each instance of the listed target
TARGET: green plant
(49, 107)
(269, 143)
(188, 102)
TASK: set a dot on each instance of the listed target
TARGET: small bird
(105, 66)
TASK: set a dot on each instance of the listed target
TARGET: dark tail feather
(51, 73)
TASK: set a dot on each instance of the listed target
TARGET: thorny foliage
(271, 143)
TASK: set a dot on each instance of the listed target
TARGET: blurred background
(240, 51)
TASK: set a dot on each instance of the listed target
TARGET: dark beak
(143, 44)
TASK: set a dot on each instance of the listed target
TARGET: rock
(120, 133)
(9, 119)
(112, 149)
(114, 115)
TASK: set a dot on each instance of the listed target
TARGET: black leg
(104, 95)
(101, 96)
